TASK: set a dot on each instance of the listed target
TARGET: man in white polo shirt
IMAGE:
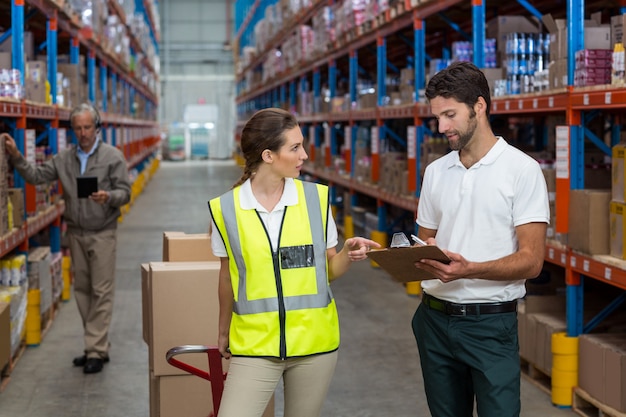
(486, 204)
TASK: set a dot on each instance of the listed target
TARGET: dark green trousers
(469, 357)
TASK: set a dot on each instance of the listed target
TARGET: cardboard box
(602, 368)
(145, 302)
(184, 310)
(617, 231)
(29, 45)
(596, 35)
(591, 366)
(5, 334)
(185, 395)
(588, 221)
(617, 28)
(35, 77)
(615, 372)
(500, 26)
(72, 73)
(182, 247)
(6, 60)
(17, 200)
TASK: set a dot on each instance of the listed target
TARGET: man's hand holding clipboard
(401, 262)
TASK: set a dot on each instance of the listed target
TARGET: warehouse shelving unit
(343, 58)
(134, 132)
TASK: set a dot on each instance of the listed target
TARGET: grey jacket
(107, 163)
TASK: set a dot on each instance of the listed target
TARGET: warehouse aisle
(378, 371)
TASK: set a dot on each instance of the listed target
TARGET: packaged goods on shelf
(618, 66)
(592, 67)
(16, 297)
(39, 275)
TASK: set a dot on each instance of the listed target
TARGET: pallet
(536, 376)
(587, 406)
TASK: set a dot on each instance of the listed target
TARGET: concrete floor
(378, 373)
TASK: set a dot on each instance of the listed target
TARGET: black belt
(454, 309)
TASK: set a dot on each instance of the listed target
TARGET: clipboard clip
(399, 240)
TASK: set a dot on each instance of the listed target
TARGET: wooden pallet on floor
(587, 406)
(536, 376)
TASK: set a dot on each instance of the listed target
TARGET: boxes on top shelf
(596, 35)
(617, 28)
(500, 26)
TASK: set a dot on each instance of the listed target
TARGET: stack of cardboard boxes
(180, 307)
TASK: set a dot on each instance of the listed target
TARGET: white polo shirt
(271, 220)
(475, 212)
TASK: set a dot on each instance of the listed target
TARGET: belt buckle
(456, 309)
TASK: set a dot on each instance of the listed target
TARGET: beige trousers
(93, 262)
(251, 382)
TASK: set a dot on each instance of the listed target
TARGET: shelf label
(550, 253)
(550, 102)
(520, 104)
(572, 262)
(586, 99)
(410, 142)
(507, 105)
(535, 103)
(562, 152)
(312, 136)
(563, 259)
(30, 137)
(61, 139)
(327, 135)
(347, 141)
(495, 106)
(374, 140)
(607, 273)
(607, 98)
(586, 265)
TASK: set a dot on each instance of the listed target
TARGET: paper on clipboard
(399, 262)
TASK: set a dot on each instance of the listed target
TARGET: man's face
(456, 120)
(84, 128)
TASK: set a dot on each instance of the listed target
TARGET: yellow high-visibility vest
(283, 306)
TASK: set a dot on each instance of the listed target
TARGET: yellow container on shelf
(33, 338)
(66, 263)
(348, 227)
(67, 286)
(564, 368)
(380, 238)
(413, 288)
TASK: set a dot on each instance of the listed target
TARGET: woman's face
(291, 156)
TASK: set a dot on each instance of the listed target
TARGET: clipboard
(399, 262)
(86, 186)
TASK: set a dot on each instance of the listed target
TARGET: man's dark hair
(462, 81)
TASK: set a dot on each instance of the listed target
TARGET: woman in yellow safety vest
(277, 240)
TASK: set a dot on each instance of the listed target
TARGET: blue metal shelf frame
(575, 42)
(478, 32)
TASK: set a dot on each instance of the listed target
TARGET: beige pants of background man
(93, 262)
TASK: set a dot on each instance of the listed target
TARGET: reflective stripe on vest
(324, 295)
